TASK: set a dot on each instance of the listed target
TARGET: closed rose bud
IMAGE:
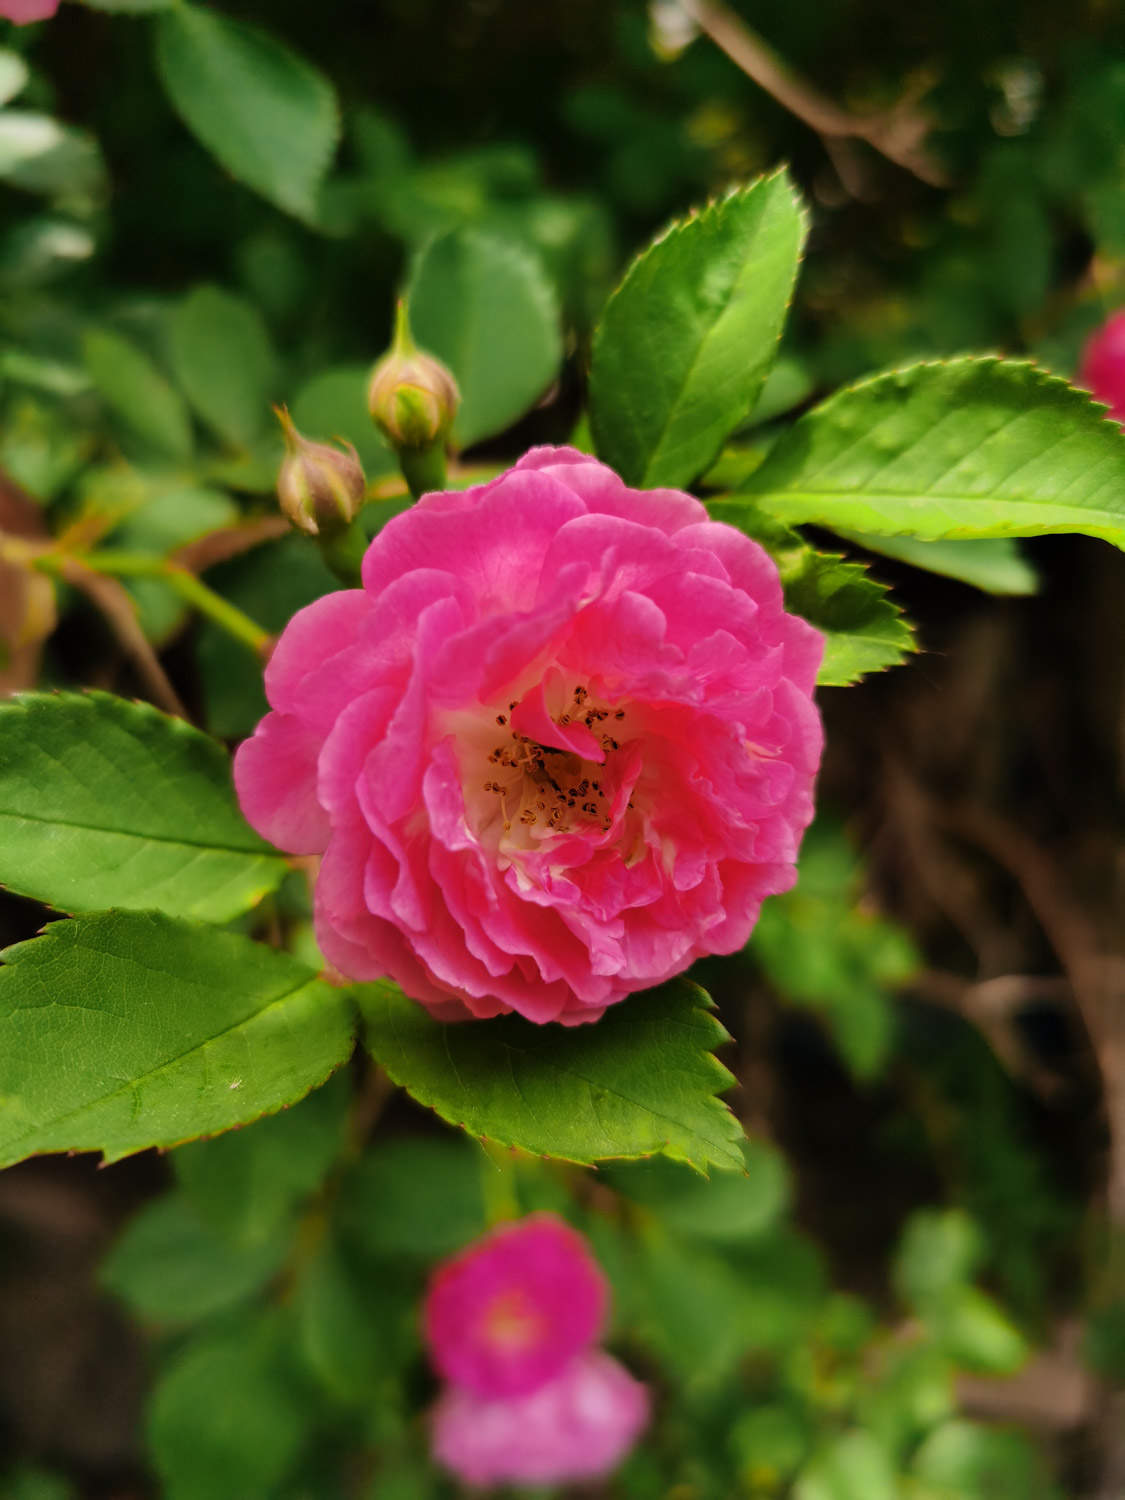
(411, 396)
(320, 488)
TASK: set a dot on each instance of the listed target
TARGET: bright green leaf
(333, 404)
(126, 1030)
(994, 564)
(969, 448)
(109, 803)
(486, 308)
(223, 358)
(136, 391)
(687, 340)
(941, 1249)
(853, 1466)
(976, 1332)
(267, 115)
(14, 74)
(169, 1268)
(642, 1080)
(964, 1461)
(245, 1185)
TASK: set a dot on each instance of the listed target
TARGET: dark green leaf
(245, 1185)
(730, 1208)
(127, 1029)
(267, 115)
(223, 358)
(415, 1198)
(357, 1325)
(969, 448)
(486, 308)
(110, 803)
(687, 340)
(170, 1268)
(642, 1079)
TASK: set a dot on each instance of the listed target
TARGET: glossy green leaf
(642, 1080)
(687, 340)
(171, 1269)
(227, 1415)
(127, 1029)
(136, 391)
(486, 308)
(109, 803)
(994, 564)
(266, 114)
(222, 356)
(246, 1185)
(969, 448)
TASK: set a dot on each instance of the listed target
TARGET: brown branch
(897, 133)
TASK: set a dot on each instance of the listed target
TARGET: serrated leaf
(170, 1268)
(126, 1030)
(266, 114)
(137, 392)
(864, 630)
(222, 356)
(994, 564)
(486, 308)
(110, 803)
(687, 340)
(642, 1079)
(969, 448)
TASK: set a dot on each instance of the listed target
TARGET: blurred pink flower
(24, 11)
(507, 1314)
(559, 745)
(1103, 365)
(578, 1426)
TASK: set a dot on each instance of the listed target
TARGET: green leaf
(129, 7)
(223, 358)
(169, 1268)
(853, 1466)
(110, 803)
(267, 115)
(964, 1461)
(730, 1208)
(864, 629)
(486, 308)
(641, 1080)
(941, 1249)
(995, 564)
(821, 948)
(35, 1484)
(976, 1332)
(414, 1198)
(227, 1416)
(247, 1184)
(133, 388)
(970, 448)
(687, 340)
(126, 1030)
(14, 74)
(357, 1326)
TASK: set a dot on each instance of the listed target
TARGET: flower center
(512, 1324)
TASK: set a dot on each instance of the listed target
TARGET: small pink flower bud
(411, 396)
(1103, 365)
(319, 487)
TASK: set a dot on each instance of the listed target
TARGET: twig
(897, 133)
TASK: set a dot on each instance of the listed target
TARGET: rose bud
(510, 1312)
(1103, 365)
(319, 487)
(411, 396)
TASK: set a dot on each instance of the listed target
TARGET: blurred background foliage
(916, 1290)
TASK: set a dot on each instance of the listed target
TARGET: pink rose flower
(24, 11)
(506, 1315)
(559, 745)
(578, 1426)
(1103, 365)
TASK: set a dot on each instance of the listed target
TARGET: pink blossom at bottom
(1103, 365)
(24, 11)
(579, 1426)
(507, 1315)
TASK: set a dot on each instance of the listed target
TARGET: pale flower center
(512, 1324)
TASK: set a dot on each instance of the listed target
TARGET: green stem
(190, 589)
(344, 553)
(423, 468)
